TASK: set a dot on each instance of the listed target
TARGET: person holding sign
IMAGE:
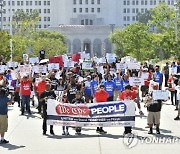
(129, 94)
(178, 100)
(158, 76)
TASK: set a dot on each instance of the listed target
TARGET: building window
(133, 18)
(18, 3)
(45, 19)
(142, 10)
(98, 10)
(22, 3)
(124, 11)
(128, 18)
(39, 2)
(44, 10)
(98, 1)
(151, 3)
(172, 2)
(48, 11)
(146, 2)
(80, 1)
(82, 22)
(91, 22)
(39, 26)
(27, 10)
(44, 2)
(86, 22)
(74, 2)
(48, 2)
(137, 10)
(137, 18)
(154, 2)
(74, 10)
(124, 18)
(36, 3)
(49, 19)
(45, 26)
(27, 3)
(128, 2)
(92, 1)
(128, 10)
(92, 10)
(80, 10)
(133, 10)
(137, 2)
(86, 1)
(30, 2)
(39, 10)
(86, 10)
(124, 2)
(142, 2)
(13, 3)
(40, 19)
(133, 2)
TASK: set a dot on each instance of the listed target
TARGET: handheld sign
(160, 94)
(87, 65)
(133, 81)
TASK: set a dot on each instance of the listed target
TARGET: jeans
(25, 101)
(174, 95)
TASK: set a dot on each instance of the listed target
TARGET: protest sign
(36, 69)
(33, 60)
(2, 68)
(102, 60)
(12, 64)
(85, 56)
(133, 81)
(87, 65)
(25, 57)
(24, 70)
(59, 95)
(120, 66)
(53, 66)
(69, 64)
(133, 65)
(174, 70)
(111, 57)
(105, 114)
(160, 94)
(42, 69)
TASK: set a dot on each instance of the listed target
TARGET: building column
(92, 52)
(82, 46)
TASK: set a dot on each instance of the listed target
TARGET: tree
(4, 45)
(144, 17)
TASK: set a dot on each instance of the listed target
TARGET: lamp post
(2, 5)
(176, 20)
(10, 30)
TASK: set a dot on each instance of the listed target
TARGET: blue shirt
(118, 83)
(124, 84)
(9, 76)
(158, 77)
(94, 86)
(109, 87)
(3, 105)
(87, 90)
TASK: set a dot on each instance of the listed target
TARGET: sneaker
(4, 141)
(78, 133)
(22, 113)
(51, 132)
(157, 132)
(63, 133)
(44, 132)
(67, 133)
(29, 112)
(150, 131)
(102, 132)
(177, 118)
(97, 131)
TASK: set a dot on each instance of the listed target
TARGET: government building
(85, 23)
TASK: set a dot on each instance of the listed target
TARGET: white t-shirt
(178, 91)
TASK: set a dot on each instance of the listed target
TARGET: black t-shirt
(77, 101)
(48, 95)
(155, 106)
(54, 83)
(73, 88)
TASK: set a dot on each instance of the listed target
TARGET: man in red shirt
(25, 86)
(101, 96)
(129, 94)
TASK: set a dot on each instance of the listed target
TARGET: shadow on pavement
(10, 146)
(85, 136)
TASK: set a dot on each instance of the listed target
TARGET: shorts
(153, 118)
(3, 123)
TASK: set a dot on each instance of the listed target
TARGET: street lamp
(2, 3)
(176, 20)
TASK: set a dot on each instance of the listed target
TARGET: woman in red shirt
(25, 86)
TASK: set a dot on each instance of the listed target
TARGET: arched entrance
(97, 47)
(76, 45)
(87, 46)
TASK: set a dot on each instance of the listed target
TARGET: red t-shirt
(170, 82)
(101, 96)
(41, 87)
(128, 95)
(26, 88)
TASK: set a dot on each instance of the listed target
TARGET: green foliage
(154, 39)
(4, 45)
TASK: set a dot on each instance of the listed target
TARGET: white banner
(135, 81)
(133, 66)
(12, 64)
(53, 66)
(160, 95)
(2, 68)
(104, 114)
(120, 66)
(69, 64)
(87, 65)
(33, 60)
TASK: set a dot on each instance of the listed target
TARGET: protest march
(79, 91)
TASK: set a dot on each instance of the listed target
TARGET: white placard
(12, 64)
(87, 66)
(133, 66)
(42, 69)
(2, 68)
(25, 57)
(133, 81)
(24, 70)
(85, 56)
(160, 94)
(174, 70)
(102, 60)
(14, 74)
(120, 66)
(53, 66)
(36, 68)
(69, 64)
(33, 60)
(145, 75)
(100, 69)
(59, 95)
